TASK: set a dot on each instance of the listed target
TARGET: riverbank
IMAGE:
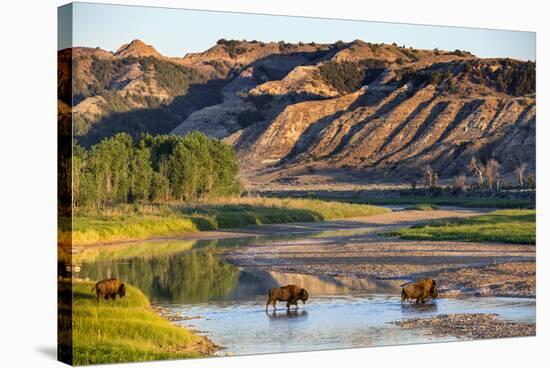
(383, 194)
(124, 330)
(470, 326)
(460, 267)
(507, 226)
(140, 222)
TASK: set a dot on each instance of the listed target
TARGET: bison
(419, 290)
(109, 288)
(289, 294)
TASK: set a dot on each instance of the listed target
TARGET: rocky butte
(354, 110)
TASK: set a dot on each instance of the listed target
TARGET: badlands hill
(291, 110)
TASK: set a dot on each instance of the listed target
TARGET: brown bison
(289, 294)
(419, 290)
(109, 288)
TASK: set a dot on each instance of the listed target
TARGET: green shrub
(345, 76)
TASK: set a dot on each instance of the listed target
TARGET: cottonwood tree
(492, 172)
(477, 169)
(161, 168)
(520, 172)
(435, 179)
(428, 173)
(459, 182)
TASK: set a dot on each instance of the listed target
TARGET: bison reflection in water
(413, 309)
(288, 314)
(289, 294)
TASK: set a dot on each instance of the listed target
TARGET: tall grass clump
(124, 330)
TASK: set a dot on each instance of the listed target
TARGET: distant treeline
(160, 168)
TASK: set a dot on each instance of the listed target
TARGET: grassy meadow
(124, 330)
(508, 226)
(135, 222)
(502, 203)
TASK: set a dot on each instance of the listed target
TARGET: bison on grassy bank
(109, 288)
(419, 290)
(289, 294)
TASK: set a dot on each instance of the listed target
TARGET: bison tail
(93, 289)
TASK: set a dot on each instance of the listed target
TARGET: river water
(190, 277)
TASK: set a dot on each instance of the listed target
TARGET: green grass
(125, 330)
(135, 222)
(422, 207)
(508, 226)
(446, 201)
(95, 229)
(143, 250)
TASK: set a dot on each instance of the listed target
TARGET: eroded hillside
(371, 110)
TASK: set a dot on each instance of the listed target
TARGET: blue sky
(175, 32)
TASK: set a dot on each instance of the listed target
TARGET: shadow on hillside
(160, 120)
(163, 119)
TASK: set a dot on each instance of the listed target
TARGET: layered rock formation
(292, 109)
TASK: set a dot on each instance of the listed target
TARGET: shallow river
(189, 277)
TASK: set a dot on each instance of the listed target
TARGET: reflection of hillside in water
(256, 282)
(172, 271)
(192, 276)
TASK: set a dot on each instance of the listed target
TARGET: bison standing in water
(289, 294)
(419, 290)
(109, 288)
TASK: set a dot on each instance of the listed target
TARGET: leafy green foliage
(102, 70)
(161, 168)
(345, 76)
(172, 77)
(462, 53)
(517, 79)
(233, 47)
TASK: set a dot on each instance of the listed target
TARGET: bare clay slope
(379, 110)
(291, 110)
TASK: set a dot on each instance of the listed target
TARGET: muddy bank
(203, 344)
(470, 326)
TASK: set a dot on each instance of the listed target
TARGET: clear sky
(175, 32)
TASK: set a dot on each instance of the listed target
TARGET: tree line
(487, 175)
(161, 168)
